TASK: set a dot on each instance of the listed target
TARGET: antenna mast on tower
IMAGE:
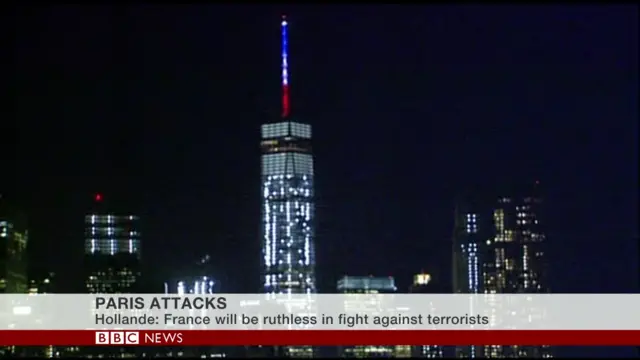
(285, 69)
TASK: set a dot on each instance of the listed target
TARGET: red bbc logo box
(117, 338)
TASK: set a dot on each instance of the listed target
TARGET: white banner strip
(320, 312)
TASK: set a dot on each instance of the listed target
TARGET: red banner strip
(318, 337)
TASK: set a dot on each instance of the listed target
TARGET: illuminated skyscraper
(499, 248)
(112, 250)
(517, 263)
(287, 202)
(515, 260)
(472, 228)
(288, 199)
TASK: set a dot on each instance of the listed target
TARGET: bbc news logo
(133, 337)
(117, 338)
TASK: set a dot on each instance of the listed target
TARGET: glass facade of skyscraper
(287, 209)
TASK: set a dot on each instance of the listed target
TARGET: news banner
(323, 320)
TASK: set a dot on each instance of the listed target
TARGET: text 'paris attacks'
(161, 303)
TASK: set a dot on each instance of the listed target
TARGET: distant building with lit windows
(13, 260)
(14, 238)
(192, 285)
(40, 284)
(43, 284)
(366, 285)
(197, 278)
(369, 285)
(112, 250)
(422, 284)
(197, 284)
(111, 261)
(516, 261)
(499, 248)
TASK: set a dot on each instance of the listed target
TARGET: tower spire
(285, 69)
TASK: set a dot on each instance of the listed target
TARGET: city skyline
(95, 187)
(170, 123)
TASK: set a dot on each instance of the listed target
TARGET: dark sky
(159, 107)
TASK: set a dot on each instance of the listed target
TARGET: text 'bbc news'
(137, 338)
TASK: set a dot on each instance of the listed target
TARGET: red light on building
(98, 197)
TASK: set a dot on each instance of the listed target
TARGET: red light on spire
(98, 197)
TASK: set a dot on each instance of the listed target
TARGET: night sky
(159, 107)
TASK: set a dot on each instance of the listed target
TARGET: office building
(42, 283)
(192, 285)
(369, 285)
(13, 260)
(473, 226)
(499, 248)
(423, 284)
(197, 278)
(14, 237)
(111, 259)
(516, 260)
(112, 249)
(366, 285)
